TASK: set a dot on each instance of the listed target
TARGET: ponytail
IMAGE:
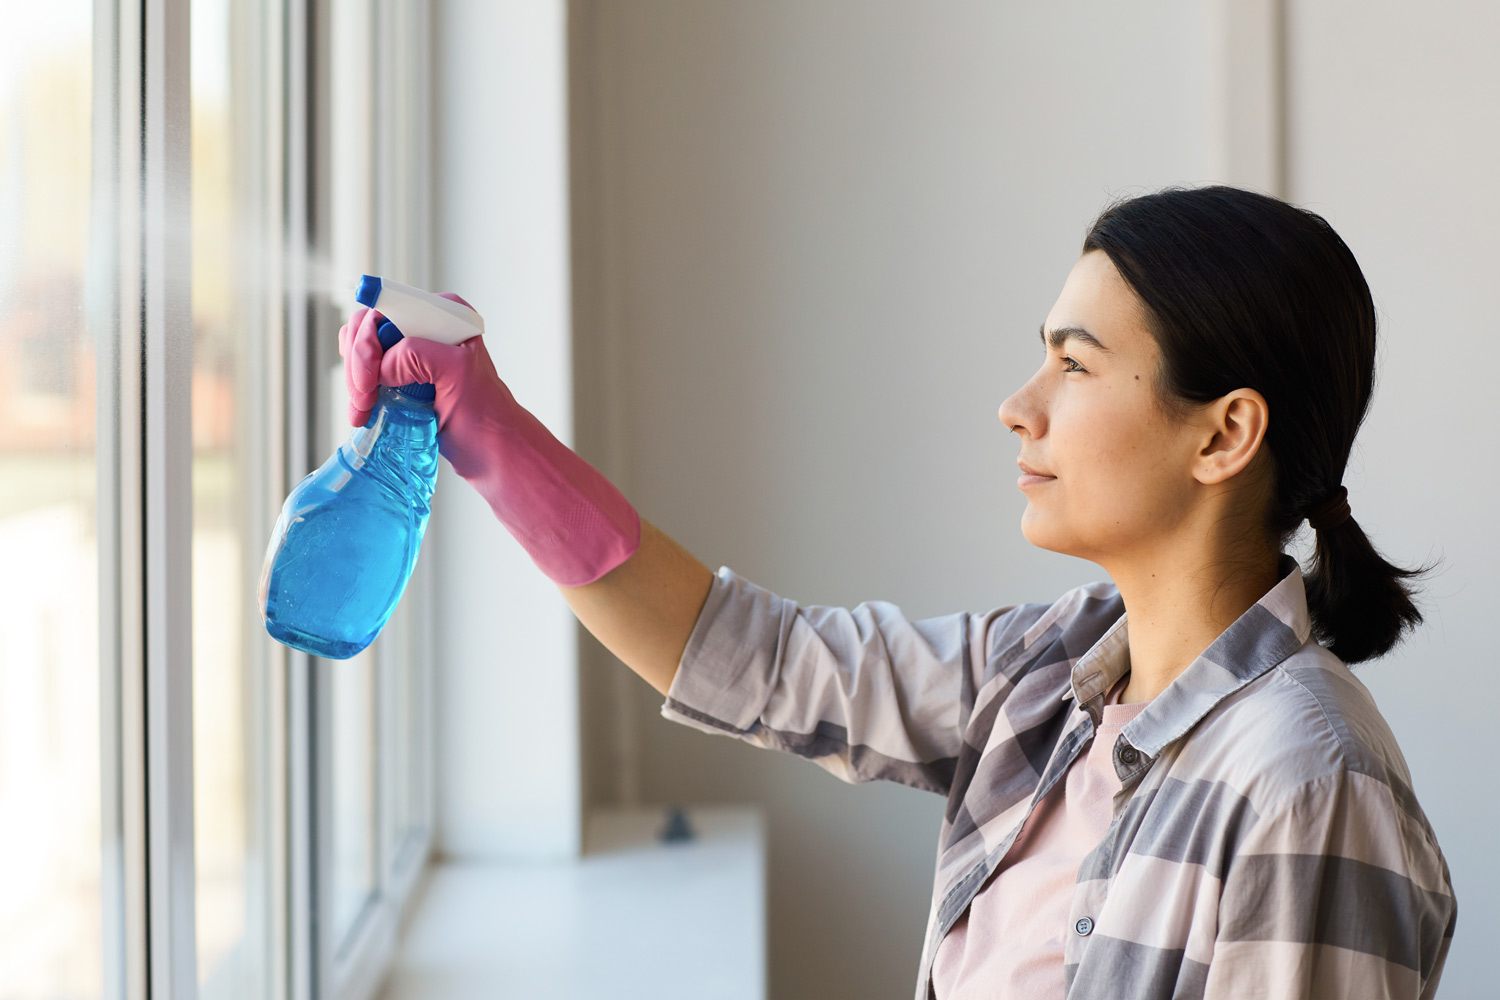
(1245, 291)
(1361, 605)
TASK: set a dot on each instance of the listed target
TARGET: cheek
(1117, 456)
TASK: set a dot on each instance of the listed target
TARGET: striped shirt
(1266, 841)
(1010, 942)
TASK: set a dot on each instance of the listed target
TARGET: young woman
(1166, 786)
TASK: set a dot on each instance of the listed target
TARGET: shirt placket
(1090, 896)
(1073, 742)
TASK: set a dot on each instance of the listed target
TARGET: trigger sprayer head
(420, 313)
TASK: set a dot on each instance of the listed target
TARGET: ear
(1236, 424)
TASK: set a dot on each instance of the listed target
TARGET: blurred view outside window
(399, 180)
(50, 898)
(352, 692)
(354, 801)
(352, 687)
(229, 474)
(409, 710)
(61, 795)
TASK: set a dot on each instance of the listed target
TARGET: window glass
(401, 240)
(229, 476)
(352, 747)
(61, 933)
(353, 688)
(406, 716)
(51, 917)
(354, 802)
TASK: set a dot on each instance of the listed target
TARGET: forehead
(1097, 299)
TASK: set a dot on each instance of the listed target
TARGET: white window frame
(142, 54)
(384, 220)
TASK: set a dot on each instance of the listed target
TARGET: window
(168, 304)
(232, 390)
(53, 306)
(377, 703)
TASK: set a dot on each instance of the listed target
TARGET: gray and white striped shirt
(1266, 841)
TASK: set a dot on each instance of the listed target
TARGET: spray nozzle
(414, 312)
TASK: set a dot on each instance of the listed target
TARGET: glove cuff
(570, 519)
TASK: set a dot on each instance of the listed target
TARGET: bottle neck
(398, 441)
(404, 418)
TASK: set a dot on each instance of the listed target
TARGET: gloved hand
(571, 520)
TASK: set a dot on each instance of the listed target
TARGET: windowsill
(633, 918)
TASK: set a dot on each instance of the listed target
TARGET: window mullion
(300, 92)
(118, 157)
(166, 328)
(273, 36)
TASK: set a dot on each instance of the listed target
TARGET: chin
(1038, 532)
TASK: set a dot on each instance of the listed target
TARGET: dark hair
(1245, 291)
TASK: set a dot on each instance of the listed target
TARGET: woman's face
(1106, 470)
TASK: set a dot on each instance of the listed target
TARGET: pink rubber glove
(571, 520)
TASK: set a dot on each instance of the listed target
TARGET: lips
(1031, 477)
(1028, 470)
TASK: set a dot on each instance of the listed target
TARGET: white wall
(1394, 133)
(506, 682)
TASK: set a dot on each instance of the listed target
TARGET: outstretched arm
(634, 588)
(864, 692)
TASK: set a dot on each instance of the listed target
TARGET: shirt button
(1084, 926)
(1128, 755)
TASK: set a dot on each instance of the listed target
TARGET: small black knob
(677, 829)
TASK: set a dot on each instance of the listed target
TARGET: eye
(1074, 365)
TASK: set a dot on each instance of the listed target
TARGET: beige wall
(1394, 133)
(813, 242)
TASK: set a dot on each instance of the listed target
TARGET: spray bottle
(348, 535)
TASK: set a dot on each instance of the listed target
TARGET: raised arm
(864, 692)
(637, 590)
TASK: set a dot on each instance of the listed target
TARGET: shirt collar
(1273, 628)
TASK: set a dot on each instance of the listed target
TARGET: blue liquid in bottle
(347, 538)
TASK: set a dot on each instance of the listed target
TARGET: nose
(1021, 411)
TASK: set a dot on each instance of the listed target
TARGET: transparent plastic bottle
(348, 535)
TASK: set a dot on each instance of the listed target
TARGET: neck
(1179, 602)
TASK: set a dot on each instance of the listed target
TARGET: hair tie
(1331, 512)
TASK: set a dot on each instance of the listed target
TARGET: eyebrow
(1060, 336)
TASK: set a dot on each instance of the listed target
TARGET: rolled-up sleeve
(1338, 892)
(864, 692)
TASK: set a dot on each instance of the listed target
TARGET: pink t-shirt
(1009, 943)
